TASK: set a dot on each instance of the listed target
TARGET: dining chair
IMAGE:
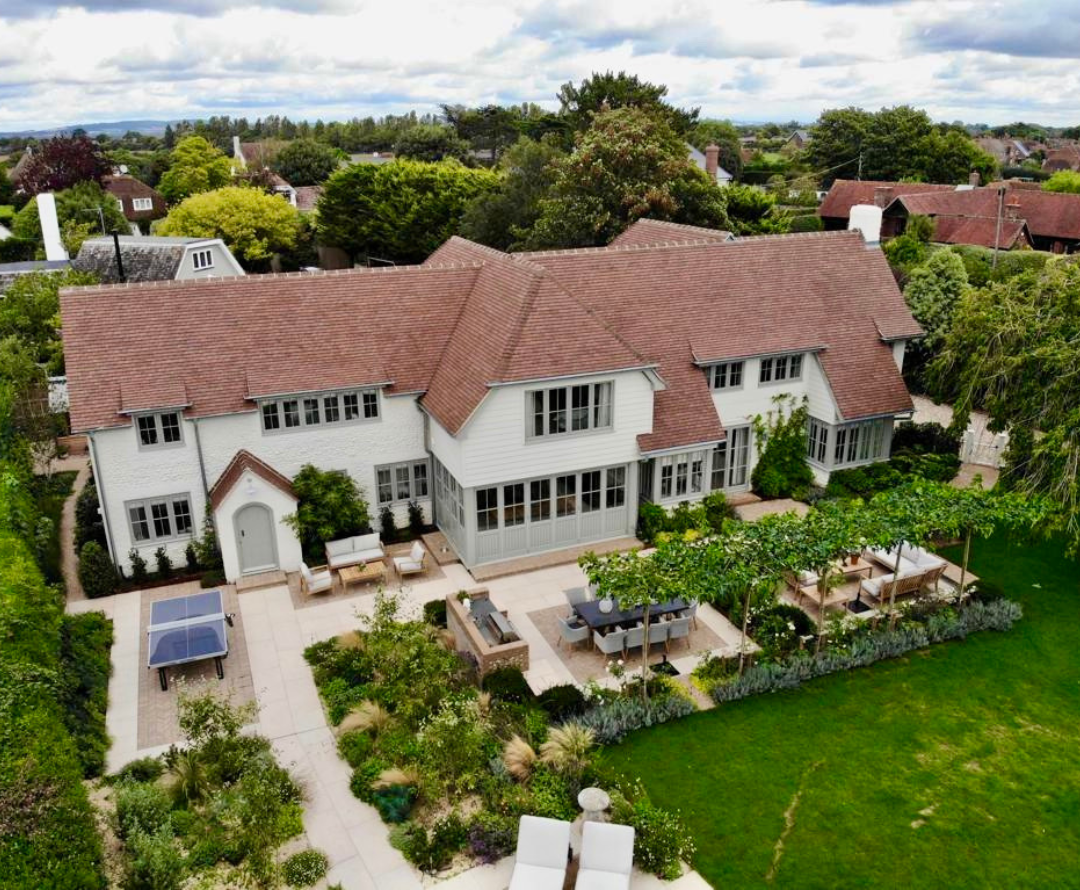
(611, 643)
(572, 634)
(635, 637)
(679, 629)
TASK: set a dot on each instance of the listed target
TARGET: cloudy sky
(101, 60)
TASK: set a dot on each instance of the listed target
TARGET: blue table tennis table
(186, 629)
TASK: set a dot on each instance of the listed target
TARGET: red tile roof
(650, 232)
(980, 230)
(244, 461)
(846, 193)
(472, 317)
(1048, 214)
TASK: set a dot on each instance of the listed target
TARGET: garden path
(69, 559)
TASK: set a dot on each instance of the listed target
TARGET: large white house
(528, 402)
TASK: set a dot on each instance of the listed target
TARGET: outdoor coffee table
(861, 565)
(362, 574)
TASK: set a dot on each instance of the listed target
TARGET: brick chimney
(882, 196)
(712, 159)
(1012, 209)
(974, 179)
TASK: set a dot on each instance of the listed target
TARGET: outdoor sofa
(354, 551)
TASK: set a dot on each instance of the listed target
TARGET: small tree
(194, 166)
(164, 562)
(782, 470)
(330, 506)
(138, 566)
(61, 163)
(388, 525)
(305, 162)
(97, 574)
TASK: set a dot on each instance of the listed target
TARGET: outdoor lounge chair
(413, 564)
(678, 629)
(611, 644)
(543, 849)
(317, 580)
(607, 857)
(571, 633)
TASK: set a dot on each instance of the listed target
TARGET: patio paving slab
(757, 509)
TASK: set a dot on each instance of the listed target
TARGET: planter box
(469, 638)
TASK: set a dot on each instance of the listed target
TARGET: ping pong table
(186, 629)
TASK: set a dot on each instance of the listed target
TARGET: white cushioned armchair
(317, 580)
(543, 849)
(413, 563)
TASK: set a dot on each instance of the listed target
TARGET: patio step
(258, 582)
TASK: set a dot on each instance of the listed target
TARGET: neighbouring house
(709, 161)
(140, 203)
(1050, 221)
(155, 258)
(307, 196)
(1008, 152)
(259, 156)
(369, 157)
(1064, 157)
(797, 141)
(527, 402)
(10, 272)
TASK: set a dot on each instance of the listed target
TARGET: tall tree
(254, 224)
(305, 162)
(836, 143)
(1013, 351)
(61, 163)
(491, 128)
(397, 212)
(610, 91)
(629, 164)
(194, 166)
(933, 291)
(431, 142)
(503, 218)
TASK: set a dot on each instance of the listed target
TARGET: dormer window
(780, 368)
(726, 375)
(202, 259)
(330, 409)
(141, 204)
(157, 430)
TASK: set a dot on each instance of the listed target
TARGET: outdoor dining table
(591, 614)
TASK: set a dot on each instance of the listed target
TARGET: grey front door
(255, 539)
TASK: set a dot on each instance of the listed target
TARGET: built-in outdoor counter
(486, 633)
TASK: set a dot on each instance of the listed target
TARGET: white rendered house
(527, 402)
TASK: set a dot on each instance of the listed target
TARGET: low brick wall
(468, 638)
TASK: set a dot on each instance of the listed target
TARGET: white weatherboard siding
(898, 350)
(222, 264)
(253, 489)
(357, 448)
(493, 447)
(739, 406)
(127, 473)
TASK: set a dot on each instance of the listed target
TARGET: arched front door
(255, 539)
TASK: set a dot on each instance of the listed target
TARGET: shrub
(782, 470)
(652, 519)
(388, 529)
(416, 519)
(364, 776)
(141, 807)
(154, 863)
(89, 525)
(717, 510)
(807, 222)
(614, 719)
(330, 505)
(145, 769)
(435, 612)
(661, 840)
(164, 563)
(394, 802)
(925, 438)
(97, 574)
(191, 557)
(432, 851)
(508, 684)
(551, 795)
(305, 869)
(85, 641)
(562, 702)
(139, 575)
(355, 747)
(492, 836)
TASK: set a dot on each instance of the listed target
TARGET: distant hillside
(109, 128)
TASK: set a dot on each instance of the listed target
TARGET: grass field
(958, 766)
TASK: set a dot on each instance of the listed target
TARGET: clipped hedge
(997, 615)
(47, 832)
(85, 668)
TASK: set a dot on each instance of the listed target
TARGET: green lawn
(958, 766)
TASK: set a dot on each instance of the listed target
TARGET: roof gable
(246, 462)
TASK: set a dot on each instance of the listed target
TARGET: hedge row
(85, 669)
(47, 832)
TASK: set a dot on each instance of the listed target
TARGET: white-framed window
(402, 482)
(449, 495)
(140, 204)
(565, 495)
(325, 410)
(487, 509)
(616, 487)
(514, 504)
(780, 368)
(202, 259)
(727, 375)
(159, 430)
(590, 491)
(682, 474)
(817, 438)
(540, 500)
(154, 520)
(859, 442)
(730, 459)
(569, 409)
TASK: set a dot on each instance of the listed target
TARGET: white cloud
(759, 59)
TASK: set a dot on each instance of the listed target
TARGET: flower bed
(452, 766)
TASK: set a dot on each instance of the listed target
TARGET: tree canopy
(305, 162)
(431, 142)
(610, 91)
(894, 144)
(1063, 181)
(503, 217)
(398, 212)
(30, 311)
(724, 135)
(77, 212)
(629, 164)
(194, 166)
(1013, 351)
(252, 223)
(61, 163)
(933, 291)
